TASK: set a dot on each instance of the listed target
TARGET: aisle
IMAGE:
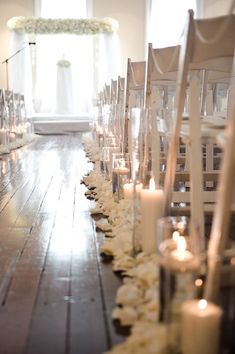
(55, 294)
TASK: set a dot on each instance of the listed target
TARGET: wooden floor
(56, 295)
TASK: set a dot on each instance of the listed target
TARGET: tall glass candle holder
(224, 294)
(104, 161)
(120, 174)
(106, 157)
(133, 189)
(151, 211)
(99, 135)
(12, 135)
(3, 136)
(210, 324)
(178, 245)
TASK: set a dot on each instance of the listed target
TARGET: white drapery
(94, 61)
(165, 21)
(64, 103)
(108, 61)
(79, 51)
(20, 69)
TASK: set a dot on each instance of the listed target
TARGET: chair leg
(195, 157)
(220, 225)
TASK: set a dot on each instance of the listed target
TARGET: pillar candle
(200, 327)
(112, 150)
(176, 256)
(119, 177)
(151, 211)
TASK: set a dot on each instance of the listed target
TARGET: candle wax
(151, 211)
(200, 327)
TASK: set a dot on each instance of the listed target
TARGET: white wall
(8, 9)
(131, 17)
(212, 8)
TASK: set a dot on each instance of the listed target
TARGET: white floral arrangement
(63, 63)
(39, 25)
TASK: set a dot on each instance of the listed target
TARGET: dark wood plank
(86, 308)
(49, 330)
(16, 309)
(55, 294)
(109, 283)
(49, 323)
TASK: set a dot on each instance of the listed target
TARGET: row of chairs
(13, 120)
(187, 93)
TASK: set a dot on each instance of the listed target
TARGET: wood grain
(56, 296)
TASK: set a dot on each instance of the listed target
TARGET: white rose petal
(126, 315)
(129, 295)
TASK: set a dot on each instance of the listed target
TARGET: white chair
(10, 113)
(2, 108)
(134, 94)
(219, 236)
(197, 54)
(160, 82)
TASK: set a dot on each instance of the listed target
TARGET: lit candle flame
(181, 247)
(175, 236)
(151, 185)
(198, 282)
(202, 304)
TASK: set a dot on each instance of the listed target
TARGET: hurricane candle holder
(99, 135)
(207, 326)
(178, 244)
(104, 161)
(28, 127)
(12, 136)
(19, 132)
(120, 174)
(3, 136)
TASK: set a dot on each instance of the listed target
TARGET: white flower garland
(63, 63)
(39, 25)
